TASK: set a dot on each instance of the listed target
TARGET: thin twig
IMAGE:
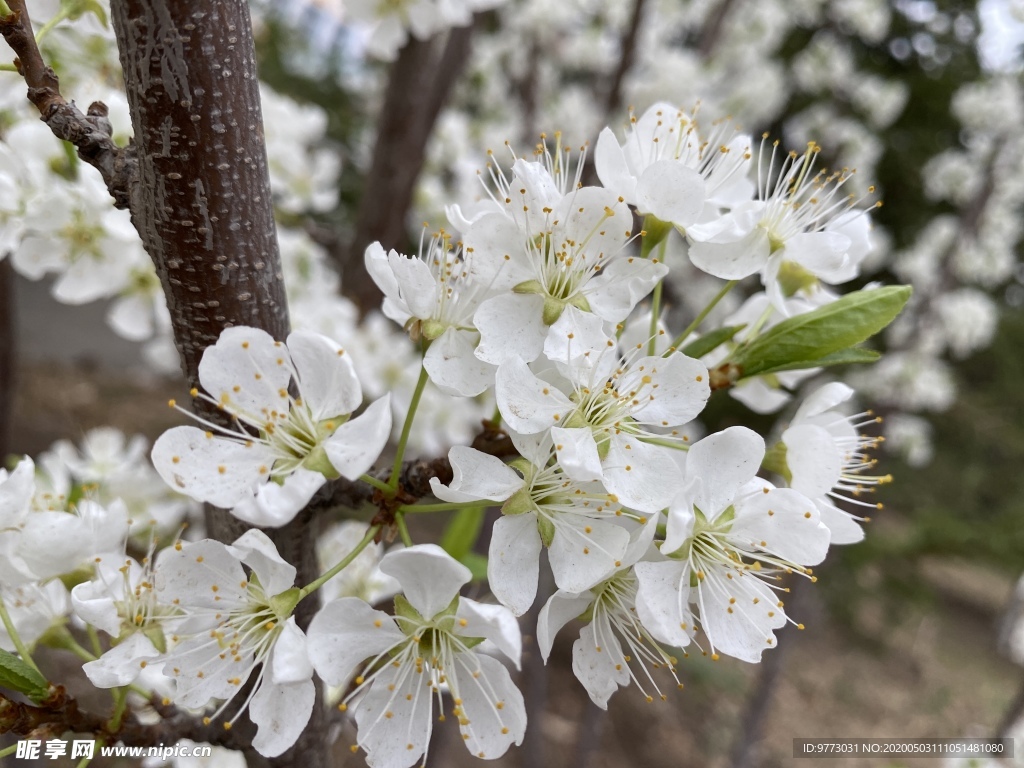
(91, 133)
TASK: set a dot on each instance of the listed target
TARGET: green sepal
(519, 503)
(317, 461)
(155, 634)
(553, 309)
(546, 529)
(16, 675)
(580, 302)
(432, 329)
(462, 531)
(529, 286)
(283, 604)
(824, 331)
(655, 230)
(775, 461)
(794, 278)
(404, 609)
(711, 341)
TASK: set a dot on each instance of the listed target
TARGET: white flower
(265, 479)
(17, 488)
(724, 527)
(543, 508)
(33, 609)
(121, 601)
(609, 608)
(393, 21)
(825, 457)
(233, 622)
(611, 420)
(433, 297)
(794, 233)
(407, 659)
(556, 247)
(668, 168)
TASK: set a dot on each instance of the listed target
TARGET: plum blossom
(669, 168)
(825, 457)
(729, 536)
(434, 298)
(300, 441)
(543, 507)
(407, 659)
(232, 622)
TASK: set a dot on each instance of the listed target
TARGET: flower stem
(94, 640)
(120, 703)
(380, 485)
(84, 762)
(403, 530)
(656, 302)
(7, 67)
(5, 10)
(396, 469)
(341, 565)
(16, 638)
(45, 29)
(678, 341)
(412, 508)
(8, 751)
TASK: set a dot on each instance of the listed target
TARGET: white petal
(820, 253)
(621, 285)
(643, 476)
(559, 610)
(276, 505)
(482, 684)
(671, 391)
(280, 712)
(823, 399)
(16, 491)
(345, 633)
(246, 358)
(611, 167)
(662, 601)
(256, 550)
(494, 252)
(491, 622)
(584, 552)
(430, 577)
(356, 444)
(190, 574)
(476, 476)
(376, 260)
(289, 662)
(813, 459)
(731, 260)
(399, 740)
(190, 462)
(455, 369)
(743, 629)
(578, 338)
(841, 525)
(327, 380)
(724, 461)
(528, 404)
(510, 325)
(671, 191)
(416, 285)
(93, 603)
(513, 561)
(593, 225)
(121, 664)
(599, 664)
(577, 453)
(783, 523)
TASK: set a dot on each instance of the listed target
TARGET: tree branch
(89, 133)
(418, 87)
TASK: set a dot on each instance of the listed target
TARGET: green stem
(8, 751)
(84, 762)
(45, 29)
(120, 703)
(94, 639)
(5, 10)
(413, 508)
(656, 303)
(7, 67)
(16, 638)
(69, 643)
(665, 443)
(403, 530)
(341, 565)
(678, 341)
(396, 469)
(380, 485)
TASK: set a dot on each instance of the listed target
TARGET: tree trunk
(202, 205)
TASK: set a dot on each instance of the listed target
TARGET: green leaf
(709, 341)
(462, 531)
(477, 565)
(842, 357)
(814, 335)
(16, 675)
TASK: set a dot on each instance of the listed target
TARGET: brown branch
(418, 87)
(712, 30)
(89, 133)
(627, 54)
